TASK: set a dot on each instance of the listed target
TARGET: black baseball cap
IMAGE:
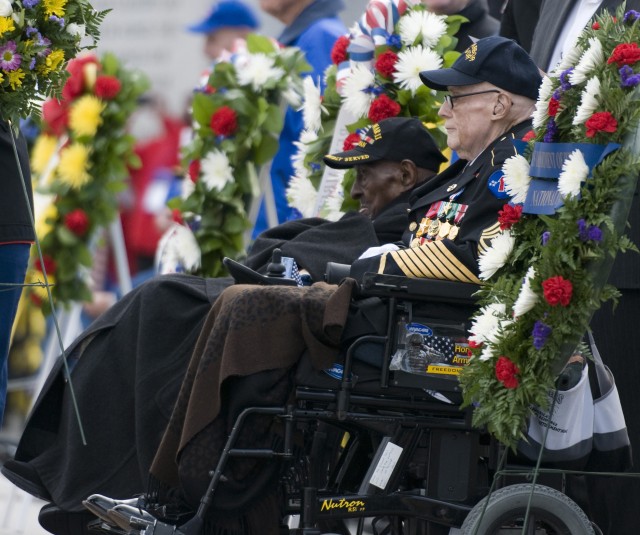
(497, 60)
(394, 139)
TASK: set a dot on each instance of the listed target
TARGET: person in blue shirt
(313, 26)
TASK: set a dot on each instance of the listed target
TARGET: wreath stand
(69, 321)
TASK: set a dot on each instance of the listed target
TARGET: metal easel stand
(70, 327)
(264, 194)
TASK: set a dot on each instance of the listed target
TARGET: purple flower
(588, 232)
(627, 77)
(540, 333)
(59, 20)
(30, 4)
(545, 237)
(631, 15)
(32, 31)
(551, 133)
(394, 40)
(32, 65)
(564, 79)
(557, 94)
(9, 60)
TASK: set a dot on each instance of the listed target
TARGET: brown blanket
(250, 330)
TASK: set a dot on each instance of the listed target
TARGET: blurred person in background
(227, 21)
(313, 26)
(519, 21)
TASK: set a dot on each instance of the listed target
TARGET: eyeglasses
(450, 98)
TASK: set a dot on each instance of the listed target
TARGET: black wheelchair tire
(548, 505)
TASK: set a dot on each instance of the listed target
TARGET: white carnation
(590, 59)
(187, 187)
(422, 27)
(358, 91)
(216, 171)
(588, 101)
(312, 108)
(485, 325)
(541, 114)
(493, 258)
(570, 57)
(258, 70)
(516, 178)
(302, 195)
(527, 298)
(574, 173)
(5, 8)
(77, 30)
(177, 251)
(411, 61)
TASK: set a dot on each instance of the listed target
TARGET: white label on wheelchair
(385, 466)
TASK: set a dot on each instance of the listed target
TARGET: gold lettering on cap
(470, 53)
(377, 134)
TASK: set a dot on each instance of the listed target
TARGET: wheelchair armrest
(374, 284)
(335, 272)
(245, 275)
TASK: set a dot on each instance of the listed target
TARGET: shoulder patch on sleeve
(495, 183)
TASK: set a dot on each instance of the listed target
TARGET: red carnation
(77, 221)
(351, 141)
(55, 114)
(107, 87)
(557, 291)
(194, 170)
(509, 216)
(74, 86)
(224, 121)
(602, 121)
(625, 54)
(386, 64)
(339, 52)
(382, 108)
(529, 136)
(595, 25)
(474, 345)
(554, 105)
(49, 264)
(506, 372)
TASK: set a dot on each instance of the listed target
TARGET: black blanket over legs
(131, 364)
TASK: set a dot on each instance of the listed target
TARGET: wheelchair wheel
(551, 513)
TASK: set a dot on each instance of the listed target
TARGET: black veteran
(492, 88)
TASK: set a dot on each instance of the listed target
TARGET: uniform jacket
(468, 196)
(15, 224)
(553, 14)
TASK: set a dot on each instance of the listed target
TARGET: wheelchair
(364, 444)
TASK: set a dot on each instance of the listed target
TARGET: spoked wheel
(551, 513)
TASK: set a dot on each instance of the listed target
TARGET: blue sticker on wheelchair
(420, 329)
(336, 371)
(496, 185)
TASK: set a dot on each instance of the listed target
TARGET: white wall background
(151, 35)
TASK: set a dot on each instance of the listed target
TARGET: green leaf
(266, 150)
(260, 43)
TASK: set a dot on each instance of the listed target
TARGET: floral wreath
(237, 118)
(37, 38)
(82, 159)
(375, 75)
(543, 273)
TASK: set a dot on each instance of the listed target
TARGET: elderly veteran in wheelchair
(128, 365)
(249, 354)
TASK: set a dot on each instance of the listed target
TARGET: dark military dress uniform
(452, 219)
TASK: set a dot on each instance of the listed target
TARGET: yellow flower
(74, 165)
(52, 62)
(84, 115)
(43, 150)
(1, 78)
(6, 25)
(15, 78)
(90, 74)
(54, 7)
(45, 222)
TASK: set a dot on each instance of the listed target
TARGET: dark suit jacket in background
(519, 21)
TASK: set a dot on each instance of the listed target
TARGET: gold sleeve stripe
(428, 254)
(487, 235)
(407, 270)
(513, 136)
(460, 271)
(383, 263)
(421, 260)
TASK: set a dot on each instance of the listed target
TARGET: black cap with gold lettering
(394, 139)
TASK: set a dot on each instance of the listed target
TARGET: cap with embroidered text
(226, 14)
(394, 139)
(497, 60)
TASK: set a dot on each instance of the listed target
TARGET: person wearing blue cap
(227, 21)
(491, 93)
(313, 26)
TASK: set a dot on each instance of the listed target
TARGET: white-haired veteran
(491, 93)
